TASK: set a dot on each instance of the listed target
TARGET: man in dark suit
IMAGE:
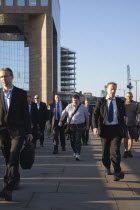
(33, 111)
(58, 132)
(109, 114)
(43, 116)
(14, 126)
(85, 136)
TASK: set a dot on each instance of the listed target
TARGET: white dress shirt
(7, 97)
(38, 105)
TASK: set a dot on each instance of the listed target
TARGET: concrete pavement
(58, 182)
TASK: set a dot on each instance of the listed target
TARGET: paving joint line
(115, 201)
(33, 194)
(131, 189)
(58, 187)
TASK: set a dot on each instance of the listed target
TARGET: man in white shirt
(78, 118)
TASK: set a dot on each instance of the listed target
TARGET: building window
(0, 2)
(9, 2)
(44, 2)
(32, 2)
(21, 3)
(15, 55)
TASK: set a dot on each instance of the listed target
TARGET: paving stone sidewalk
(59, 182)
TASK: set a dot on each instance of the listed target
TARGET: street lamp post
(136, 86)
(123, 91)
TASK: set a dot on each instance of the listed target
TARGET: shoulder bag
(67, 125)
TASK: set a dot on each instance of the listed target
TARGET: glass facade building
(30, 44)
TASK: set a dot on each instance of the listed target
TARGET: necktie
(58, 112)
(110, 112)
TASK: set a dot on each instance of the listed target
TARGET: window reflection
(21, 3)
(44, 2)
(9, 2)
(15, 55)
(32, 2)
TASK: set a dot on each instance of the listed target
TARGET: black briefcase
(27, 155)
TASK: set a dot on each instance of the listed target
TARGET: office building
(30, 44)
(68, 73)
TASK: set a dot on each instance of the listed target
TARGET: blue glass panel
(21, 3)
(44, 2)
(9, 2)
(32, 2)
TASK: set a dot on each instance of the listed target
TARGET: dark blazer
(52, 112)
(34, 114)
(90, 110)
(100, 113)
(42, 113)
(17, 119)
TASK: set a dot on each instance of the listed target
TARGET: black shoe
(63, 148)
(130, 154)
(118, 176)
(41, 145)
(6, 194)
(55, 151)
(108, 172)
(125, 155)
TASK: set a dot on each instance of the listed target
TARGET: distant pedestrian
(85, 136)
(138, 121)
(131, 110)
(48, 124)
(108, 123)
(56, 109)
(34, 118)
(78, 118)
(43, 116)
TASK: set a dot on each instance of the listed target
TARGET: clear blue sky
(106, 36)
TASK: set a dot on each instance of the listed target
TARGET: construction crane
(129, 85)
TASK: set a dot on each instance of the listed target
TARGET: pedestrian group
(112, 119)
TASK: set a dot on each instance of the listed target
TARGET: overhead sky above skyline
(106, 37)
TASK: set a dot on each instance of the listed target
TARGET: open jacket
(101, 111)
(17, 119)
